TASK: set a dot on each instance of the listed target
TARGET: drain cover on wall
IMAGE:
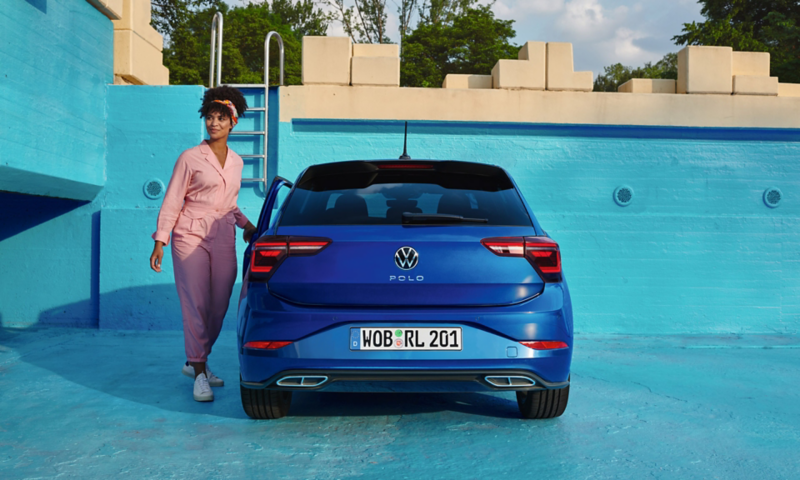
(773, 197)
(154, 188)
(623, 195)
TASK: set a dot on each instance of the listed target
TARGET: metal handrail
(266, 92)
(216, 28)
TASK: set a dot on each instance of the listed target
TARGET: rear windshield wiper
(438, 219)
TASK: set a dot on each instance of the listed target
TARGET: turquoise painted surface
(112, 404)
(49, 259)
(56, 61)
(697, 250)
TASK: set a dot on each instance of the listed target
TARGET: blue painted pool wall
(55, 64)
(697, 251)
(49, 259)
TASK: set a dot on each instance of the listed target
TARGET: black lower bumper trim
(407, 376)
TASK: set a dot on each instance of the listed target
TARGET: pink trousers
(205, 271)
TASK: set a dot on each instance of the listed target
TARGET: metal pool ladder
(216, 27)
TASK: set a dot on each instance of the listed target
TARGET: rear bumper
(377, 380)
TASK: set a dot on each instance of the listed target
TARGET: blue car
(402, 276)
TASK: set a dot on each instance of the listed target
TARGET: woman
(200, 210)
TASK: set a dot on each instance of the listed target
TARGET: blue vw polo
(400, 275)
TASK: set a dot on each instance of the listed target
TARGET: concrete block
(705, 70)
(110, 8)
(518, 75)
(376, 71)
(326, 60)
(534, 52)
(755, 85)
(136, 17)
(789, 89)
(467, 81)
(647, 85)
(137, 60)
(376, 50)
(560, 72)
(751, 64)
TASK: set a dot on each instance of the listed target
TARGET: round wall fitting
(623, 195)
(154, 189)
(773, 197)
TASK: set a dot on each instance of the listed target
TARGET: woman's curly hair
(222, 92)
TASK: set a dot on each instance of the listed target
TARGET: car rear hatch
(404, 235)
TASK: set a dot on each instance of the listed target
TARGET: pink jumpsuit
(200, 210)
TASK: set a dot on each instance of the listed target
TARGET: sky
(602, 32)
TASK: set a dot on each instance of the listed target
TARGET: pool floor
(96, 403)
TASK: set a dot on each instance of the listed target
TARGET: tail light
(545, 345)
(542, 253)
(266, 345)
(405, 166)
(270, 251)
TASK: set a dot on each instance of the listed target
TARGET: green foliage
(617, 74)
(187, 24)
(471, 42)
(751, 25)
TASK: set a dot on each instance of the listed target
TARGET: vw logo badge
(406, 258)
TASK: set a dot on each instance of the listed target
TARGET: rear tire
(265, 404)
(543, 403)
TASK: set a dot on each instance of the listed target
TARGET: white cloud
(514, 9)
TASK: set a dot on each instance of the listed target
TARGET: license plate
(404, 338)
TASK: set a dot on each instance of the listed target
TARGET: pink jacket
(202, 191)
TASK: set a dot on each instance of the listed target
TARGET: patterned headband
(232, 108)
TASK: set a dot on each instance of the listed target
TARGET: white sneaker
(213, 380)
(202, 391)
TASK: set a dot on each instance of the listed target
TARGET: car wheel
(265, 404)
(543, 403)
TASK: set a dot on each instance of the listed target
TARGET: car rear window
(378, 193)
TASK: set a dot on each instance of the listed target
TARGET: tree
(751, 25)
(615, 75)
(444, 11)
(470, 42)
(244, 29)
(364, 22)
(302, 16)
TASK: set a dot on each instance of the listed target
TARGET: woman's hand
(157, 256)
(249, 231)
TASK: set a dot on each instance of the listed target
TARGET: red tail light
(266, 345)
(545, 345)
(270, 251)
(542, 253)
(405, 166)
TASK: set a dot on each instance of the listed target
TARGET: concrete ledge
(755, 85)
(560, 73)
(326, 61)
(647, 85)
(110, 8)
(38, 183)
(518, 74)
(375, 71)
(376, 50)
(467, 81)
(789, 89)
(705, 70)
(527, 106)
(751, 63)
(137, 60)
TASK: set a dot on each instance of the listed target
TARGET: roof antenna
(405, 156)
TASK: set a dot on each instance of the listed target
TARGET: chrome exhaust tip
(302, 382)
(506, 382)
